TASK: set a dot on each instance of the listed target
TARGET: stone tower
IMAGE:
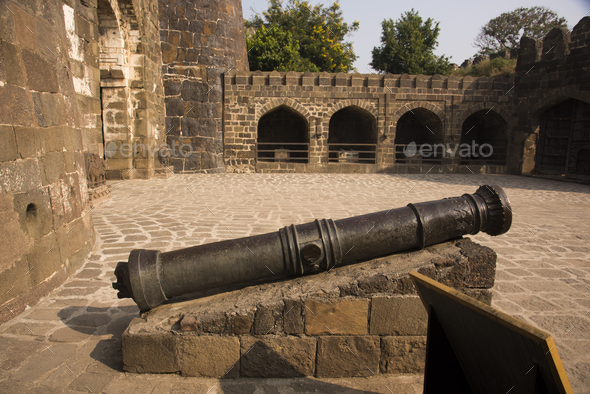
(201, 40)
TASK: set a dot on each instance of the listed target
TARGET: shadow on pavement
(101, 322)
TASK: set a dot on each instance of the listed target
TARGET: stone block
(20, 176)
(210, 323)
(41, 74)
(149, 353)
(403, 354)
(242, 324)
(194, 91)
(198, 127)
(347, 356)
(17, 106)
(336, 317)
(266, 320)
(481, 264)
(482, 295)
(293, 317)
(398, 316)
(29, 142)
(34, 212)
(11, 64)
(8, 150)
(45, 109)
(277, 357)
(44, 259)
(175, 106)
(210, 356)
(52, 166)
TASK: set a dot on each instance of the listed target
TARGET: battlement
(367, 80)
(557, 46)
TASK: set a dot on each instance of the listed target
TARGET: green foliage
(407, 46)
(498, 67)
(317, 32)
(275, 49)
(505, 31)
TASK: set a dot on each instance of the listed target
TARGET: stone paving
(70, 341)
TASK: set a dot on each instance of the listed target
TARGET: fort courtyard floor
(71, 340)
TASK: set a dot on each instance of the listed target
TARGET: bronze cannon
(151, 277)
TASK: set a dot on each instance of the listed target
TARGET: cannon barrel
(151, 277)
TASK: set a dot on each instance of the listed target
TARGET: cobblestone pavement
(70, 340)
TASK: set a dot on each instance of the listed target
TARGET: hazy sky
(460, 21)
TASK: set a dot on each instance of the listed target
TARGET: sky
(460, 21)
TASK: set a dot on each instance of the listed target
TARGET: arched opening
(283, 136)
(484, 139)
(419, 138)
(114, 90)
(564, 140)
(352, 136)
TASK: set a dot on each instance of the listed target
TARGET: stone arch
(122, 83)
(481, 106)
(287, 102)
(352, 136)
(419, 135)
(349, 103)
(418, 104)
(484, 138)
(556, 97)
(282, 135)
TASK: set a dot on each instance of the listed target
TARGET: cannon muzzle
(151, 277)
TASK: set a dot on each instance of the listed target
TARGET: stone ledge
(357, 320)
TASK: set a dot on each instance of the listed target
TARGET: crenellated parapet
(550, 72)
(384, 81)
(560, 50)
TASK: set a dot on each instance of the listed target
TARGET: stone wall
(74, 75)
(45, 126)
(358, 320)
(383, 99)
(200, 42)
(548, 73)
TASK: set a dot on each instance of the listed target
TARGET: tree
(318, 32)
(505, 31)
(407, 47)
(275, 49)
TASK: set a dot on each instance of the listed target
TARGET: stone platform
(358, 320)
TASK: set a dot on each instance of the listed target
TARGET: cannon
(151, 277)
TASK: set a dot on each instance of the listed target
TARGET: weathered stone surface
(274, 357)
(482, 264)
(210, 356)
(242, 324)
(8, 151)
(17, 106)
(337, 317)
(20, 176)
(293, 317)
(14, 238)
(34, 212)
(41, 74)
(405, 354)
(12, 65)
(347, 356)
(398, 316)
(153, 353)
